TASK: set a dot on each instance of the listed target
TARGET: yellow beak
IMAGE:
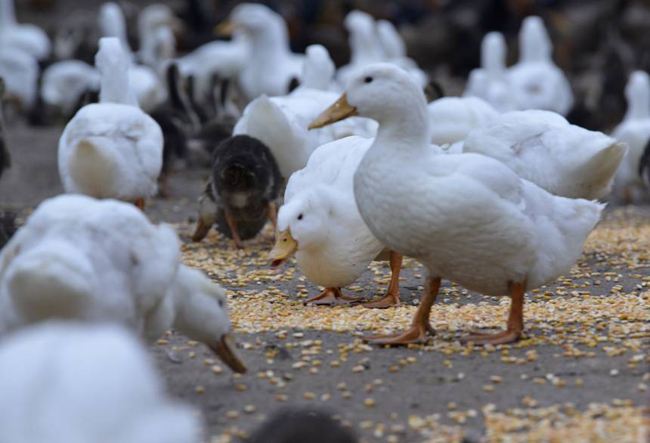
(225, 29)
(285, 246)
(339, 110)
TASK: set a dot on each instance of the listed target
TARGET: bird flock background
(495, 189)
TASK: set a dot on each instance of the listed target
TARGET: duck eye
(367, 80)
(300, 216)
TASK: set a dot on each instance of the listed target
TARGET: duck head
(302, 224)
(382, 92)
(201, 314)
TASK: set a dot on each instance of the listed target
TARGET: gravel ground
(581, 374)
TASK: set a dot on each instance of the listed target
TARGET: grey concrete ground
(403, 394)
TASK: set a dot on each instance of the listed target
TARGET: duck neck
(115, 87)
(7, 14)
(409, 128)
(638, 99)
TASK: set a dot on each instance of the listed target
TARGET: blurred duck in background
(242, 192)
(103, 261)
(634, 130)
(91, 384)
(112, 149)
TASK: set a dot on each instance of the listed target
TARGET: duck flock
(493, 190)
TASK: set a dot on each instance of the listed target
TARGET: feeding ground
(580, 374)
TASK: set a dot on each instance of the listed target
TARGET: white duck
(156, 24)
(270, 64)
(20, 71)
(320, 224)
(635, 131)
(394, 50)
(112, 149)
(365, 46)
(281, 122)
(466, 217)
(537, 82)
(103, 261)
(91, 384)
(542, 147)
(148, 88)
(64, 83)
(29, 38)
(490, 81)
(226, 59)
(453, 118)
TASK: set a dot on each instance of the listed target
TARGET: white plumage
(490, 81)
(19, 70)
(635, 131)
(64, 83)
(542, 147)
(538, 83)
(103, 261)
(334, 245)
(72, 383)
(270, 64)
(453, 118)
(466, 217)
(281, 122)
(26, 37)
(111, 149)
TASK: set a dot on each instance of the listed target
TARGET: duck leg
(331, 297)
(139, 203)
(515, 321)
(272, 211)
(202, 229)
(420, 326)
(232, 224)
(392, 295)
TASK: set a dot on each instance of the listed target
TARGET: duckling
(635, 131)
(465, 217)
(320, 224)
(79, 258)
(241, 194)
(270, 65)
(26, 37)
(537, 82)
(112, 149)
(91, 383)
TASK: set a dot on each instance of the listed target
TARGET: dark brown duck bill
(338, 111)
(224, 351)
